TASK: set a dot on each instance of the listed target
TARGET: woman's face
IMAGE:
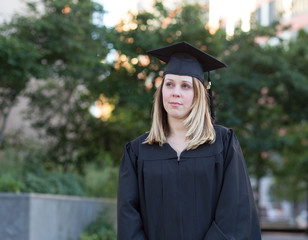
(178, 95)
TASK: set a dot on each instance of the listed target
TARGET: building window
(258, 15)
(271, 12)
(299, 7)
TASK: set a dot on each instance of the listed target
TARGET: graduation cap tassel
(209, 87)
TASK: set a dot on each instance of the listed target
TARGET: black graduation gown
(205, 195)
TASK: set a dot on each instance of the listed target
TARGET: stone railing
(49, 217)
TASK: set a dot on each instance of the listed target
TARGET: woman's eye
(169, 84)
(186, 86)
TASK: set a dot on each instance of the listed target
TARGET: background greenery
(57, 59)
(25, 171)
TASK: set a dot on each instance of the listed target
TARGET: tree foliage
(260, 96)
(293, 140)
(247, 93)
(72, 48)
(19, 62)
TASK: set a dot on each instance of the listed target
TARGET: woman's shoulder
(135, 143)
(140, 139)
(223, 133)
(219, 129)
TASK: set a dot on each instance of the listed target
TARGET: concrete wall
(49, 217)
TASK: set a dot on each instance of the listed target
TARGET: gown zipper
(179, 197)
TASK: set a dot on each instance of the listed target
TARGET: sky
(233, 10)
(115, 9)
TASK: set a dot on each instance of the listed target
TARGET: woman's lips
(175, 104)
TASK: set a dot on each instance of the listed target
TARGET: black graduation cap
(184, 59)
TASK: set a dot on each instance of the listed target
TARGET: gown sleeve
(235, 215)
(130, 226)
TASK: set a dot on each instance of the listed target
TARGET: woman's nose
(176, 92)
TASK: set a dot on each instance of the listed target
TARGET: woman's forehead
(175, 77)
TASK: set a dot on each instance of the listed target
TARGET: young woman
(186, 179)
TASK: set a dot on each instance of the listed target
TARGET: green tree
(262, 94)
(295, 91)
(290, 172)
(72, 49)
(293, 139)
(19, 62)
(246, 95)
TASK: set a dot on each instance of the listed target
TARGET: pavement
(284, 236)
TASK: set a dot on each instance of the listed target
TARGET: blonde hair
(200, 129)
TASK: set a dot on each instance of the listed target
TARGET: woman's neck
(177, 136)
(177, 128)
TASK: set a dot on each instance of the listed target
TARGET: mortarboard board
(184, 59)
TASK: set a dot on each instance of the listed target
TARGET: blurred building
(238, 13)
(289, 12)
(9, 8)
(228, 14)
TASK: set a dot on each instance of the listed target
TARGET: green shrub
(11, 161)
(28, 170)
(101, 229)
(53, 183)
(101, 182)
(9, 184)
